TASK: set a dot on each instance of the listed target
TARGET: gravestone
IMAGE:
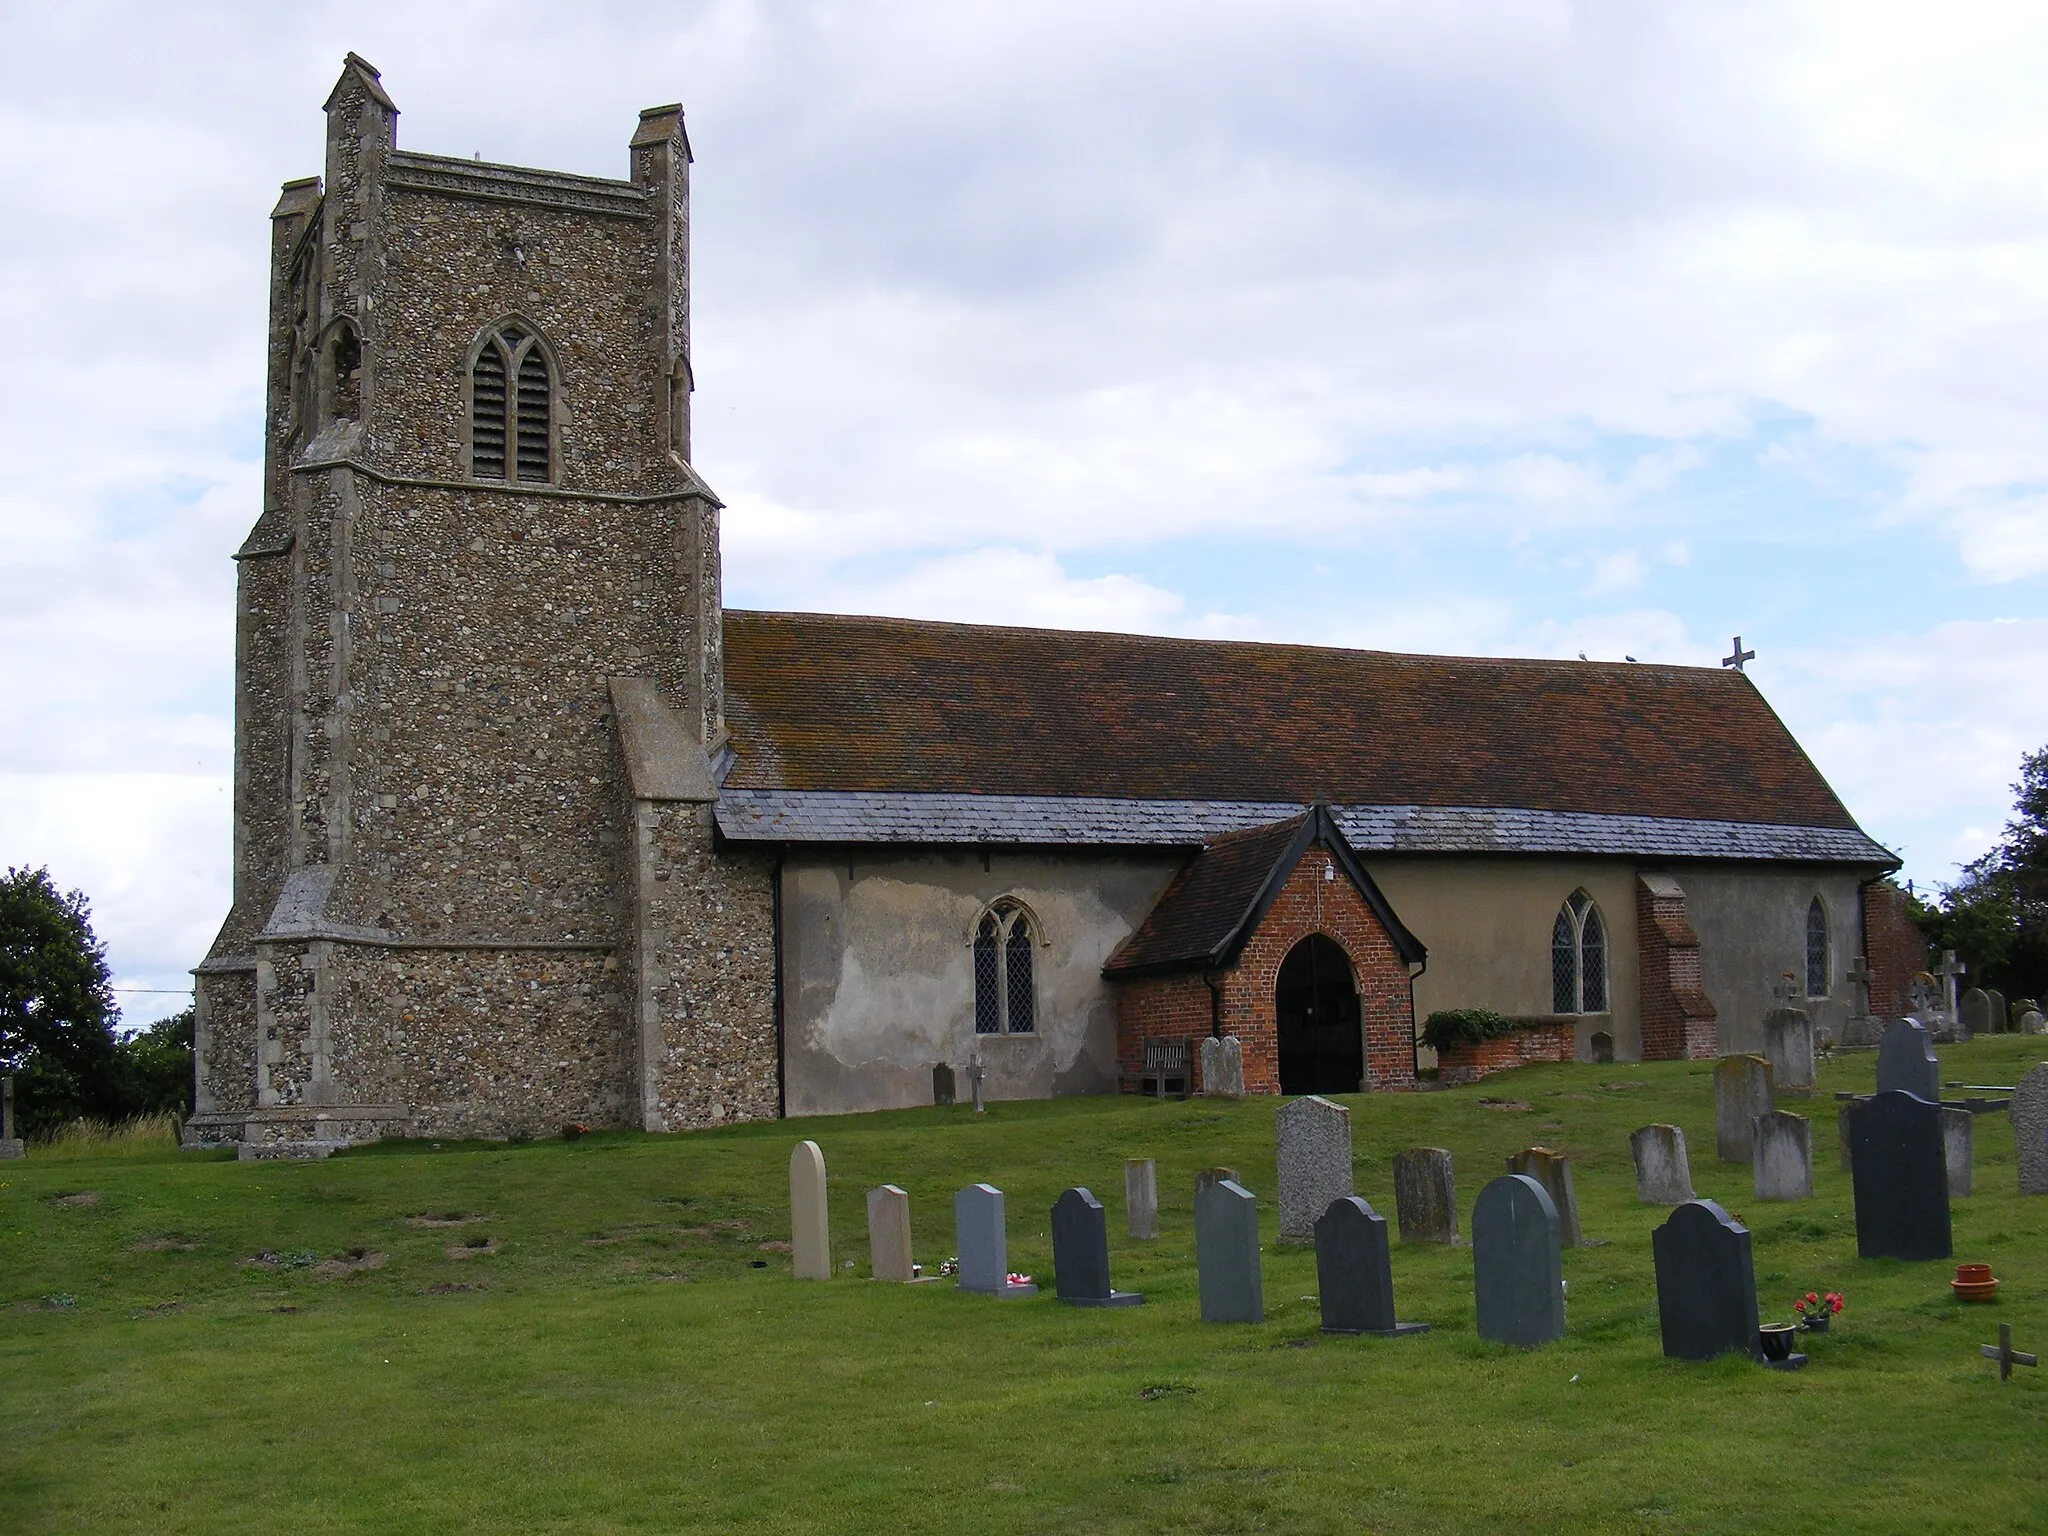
(1222, 1068)
(2001, 1021)
(1602, 1045)
(1923, 996)
(983, 1244)
(1663, 1175)
(1861, 1030)
(1900, 1175)
(1782, 1156)
(1227, 1254)
(944, 1090)
(1976, 1015)
(1312, 1137)
(1209, 1176)
(889, 1234)
(1141, 1198)
(1517, 1271)
(2033, 1023)
(1706, 1284)
(1742, 1091)
(2029, 1115)
(1425, 1196)
(1080, 1253)
(1553, 1170)
(1950, 970)
(1788, 1046)
(11, 1145)
(810, 1228)
(1906, 1062)
(1354, 1276)
(1957, 1138)
(1842, 1132)
(977, 1075)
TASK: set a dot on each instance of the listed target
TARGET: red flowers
(1817, 1305)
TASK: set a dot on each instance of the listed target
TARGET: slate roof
(1215, 903)
(891, 730)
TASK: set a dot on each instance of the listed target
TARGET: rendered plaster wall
(878, 972)
(1752, 927)
(1487, 925)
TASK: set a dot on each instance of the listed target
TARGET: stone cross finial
(1949, 969)
(2003, 1352)
(1739, 657)
(1861, 976)
(975, 1073)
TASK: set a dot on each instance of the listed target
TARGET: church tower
(478, 670)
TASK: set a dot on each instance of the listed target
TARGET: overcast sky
(1503, 328)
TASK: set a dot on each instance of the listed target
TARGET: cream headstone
(1663, 1174)
(1782, 1156)
(1222, 1068)
(889, 1234)
(1788, 1046)
(1958, 1137)
(1141, 1198)
(1553, 1170)
(810, 1229)
(1742, 1091)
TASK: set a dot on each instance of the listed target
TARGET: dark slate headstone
(1227, 1254)
(1905, 1061)
(1517, 1272)
(1706, 1287)
(1353, 1272)
(1080, 1253)
(1899, 1168)
(944, 1091)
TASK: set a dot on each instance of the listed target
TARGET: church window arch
(344, 373)
(1005, 971)
(1818, 960)
(512, 392)
(1578, 957)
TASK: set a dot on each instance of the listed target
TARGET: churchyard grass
(216, 1346)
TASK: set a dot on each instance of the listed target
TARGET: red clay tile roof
(825, 702)
(1211, 908)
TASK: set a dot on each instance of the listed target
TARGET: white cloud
(1617, 572)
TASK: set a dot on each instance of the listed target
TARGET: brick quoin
(1893, 947)
(1178, 1007)
(1678, 1021)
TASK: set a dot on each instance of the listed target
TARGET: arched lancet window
(1817, 967)
(1005, 982)
(511, 408)
(345, 375)
(1578, 958)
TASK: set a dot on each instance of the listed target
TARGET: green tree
(1996, 916)
(57, 1009)
(156, 1066)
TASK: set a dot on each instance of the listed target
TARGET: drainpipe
(1414, 1050)
(775, 923)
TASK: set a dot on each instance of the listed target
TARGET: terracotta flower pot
(1973, 1274)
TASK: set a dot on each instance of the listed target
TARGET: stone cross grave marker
(1949, 971)
(2003, 1352)
(1900, 1175)
(1923, 992)
(889, 1235)
(2029, 1114)
(1663, 1175)
(1906, 1061)
(1080, 1253)
(1313, 1140)
(1425, 1196)
(810, 1227)
(1782, 1156)
(1553, 1170)
(1784, 989)
(1517, 1270)
(944, 1090)
(2001, 1021)
(1227, 1254)
(1859, 977)
(1976, 1017)
(1222, 1068)
(1788, 1046)
(983, 1244)
(1209, 1176)
(1958, 1146)
(1141, 1198)
(2032, 1022)
(1354, 1275)
(11, 1145)
(976, 1075)
(1706, 1284)
(1742, 1091)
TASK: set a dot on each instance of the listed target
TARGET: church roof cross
(1739, 657)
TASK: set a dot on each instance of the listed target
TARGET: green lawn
(613, 1361)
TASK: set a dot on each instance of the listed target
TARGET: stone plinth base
(13, 1146)
(296, 1130)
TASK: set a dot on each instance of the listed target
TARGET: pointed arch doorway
(1317, 1020)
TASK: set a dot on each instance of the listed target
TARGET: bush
(1464, 1026)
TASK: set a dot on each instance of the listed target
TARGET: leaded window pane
(1018, 964)
(1564, 966)
(1592, 965)
(1816, 950)
(988, 1015)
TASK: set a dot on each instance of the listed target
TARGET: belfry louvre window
(1005, 984)
(1578, 958)
(1817, 950)
(511, 409)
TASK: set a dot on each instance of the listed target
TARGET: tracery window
(1005, 982)
(1817, 967)
(511, 408)
(1578, 958)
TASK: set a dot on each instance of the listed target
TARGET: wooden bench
(1166, 1064)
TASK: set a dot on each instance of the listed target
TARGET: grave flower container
(1775, 1340)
